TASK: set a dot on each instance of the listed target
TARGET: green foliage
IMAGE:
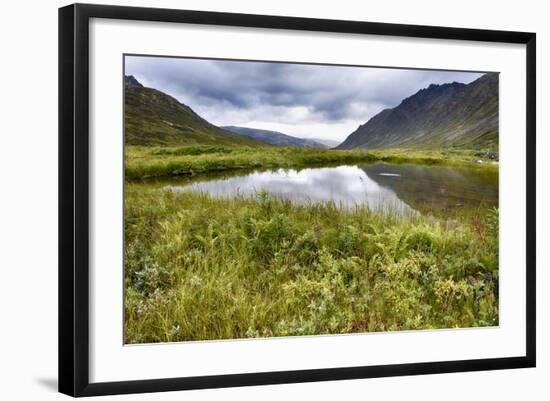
(200, 268)
(191, 150)
(146, 162)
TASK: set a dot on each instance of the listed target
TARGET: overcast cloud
(302, 100)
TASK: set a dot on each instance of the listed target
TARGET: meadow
(147, 162)
(204, 268)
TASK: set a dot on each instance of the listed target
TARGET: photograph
(278, 199)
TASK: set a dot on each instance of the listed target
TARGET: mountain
(153, 118)
(452, 114)
(131, 80)
(273, 137)
(329, 143)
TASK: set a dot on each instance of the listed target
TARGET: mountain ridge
(273, 137)
(450, 114)
(154, 118)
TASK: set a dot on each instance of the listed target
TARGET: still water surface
(398, 187)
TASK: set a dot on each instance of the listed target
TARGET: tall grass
(201, 268)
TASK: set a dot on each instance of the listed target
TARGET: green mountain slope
(273, 137)
(153, 118)
(454, 114)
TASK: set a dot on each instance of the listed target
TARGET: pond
(398, 187)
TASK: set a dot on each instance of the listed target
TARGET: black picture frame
(74, 199)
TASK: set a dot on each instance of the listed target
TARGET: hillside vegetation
(153, 118)
(440, 116)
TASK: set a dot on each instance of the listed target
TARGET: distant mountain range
(273, 137)
(153, 118)
(452, 114)
(329, 143)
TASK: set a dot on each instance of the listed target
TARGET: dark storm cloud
(225, 91)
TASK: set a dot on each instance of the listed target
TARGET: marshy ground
(201, 267)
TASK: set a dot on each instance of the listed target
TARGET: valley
(259, 233)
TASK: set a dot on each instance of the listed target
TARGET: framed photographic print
(250, 199)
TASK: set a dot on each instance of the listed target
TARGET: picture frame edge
(73, 191)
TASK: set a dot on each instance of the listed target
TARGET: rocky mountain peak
(131, 80)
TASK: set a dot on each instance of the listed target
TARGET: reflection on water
(401, 188)
(346, 186)
(437, 189)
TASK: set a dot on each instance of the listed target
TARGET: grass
(201, 268)
(146, 162)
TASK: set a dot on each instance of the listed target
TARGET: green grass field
(199, 268)
(204, 268)
(146, 162)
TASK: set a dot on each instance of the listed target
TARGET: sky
(302, 100)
